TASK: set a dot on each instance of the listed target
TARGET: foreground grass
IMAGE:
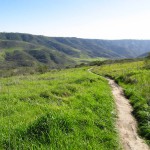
(60, 110)
(135, 80)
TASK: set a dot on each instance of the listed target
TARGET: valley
(54, 92)
(26, 50)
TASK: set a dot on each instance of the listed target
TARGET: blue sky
(101, 19)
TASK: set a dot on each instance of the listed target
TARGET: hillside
(18, 49)
(69, 110)
(73, 108)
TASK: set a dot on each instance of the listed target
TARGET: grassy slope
(74, 48)
(136, 83)
(58, 52)
(68, 109)
(31, 54)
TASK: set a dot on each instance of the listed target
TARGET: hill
(18, 49)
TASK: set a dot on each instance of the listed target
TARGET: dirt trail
(126, 123)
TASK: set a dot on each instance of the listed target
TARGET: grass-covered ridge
(134, 78)
(58, 52)
(68, 109)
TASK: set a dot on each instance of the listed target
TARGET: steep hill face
(17, 49)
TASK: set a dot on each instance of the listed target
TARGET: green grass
(60, 110)
(135, 79)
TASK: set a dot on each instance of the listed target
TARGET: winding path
(126, 123)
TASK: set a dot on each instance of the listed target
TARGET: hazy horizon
(97, 19)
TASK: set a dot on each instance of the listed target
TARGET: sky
(98, 19)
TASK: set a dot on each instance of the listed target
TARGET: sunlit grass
(68, 109)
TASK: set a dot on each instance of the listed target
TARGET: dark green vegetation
(134, 77)
(68, 110)
(17, 50)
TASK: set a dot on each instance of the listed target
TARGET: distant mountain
(18, 49)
